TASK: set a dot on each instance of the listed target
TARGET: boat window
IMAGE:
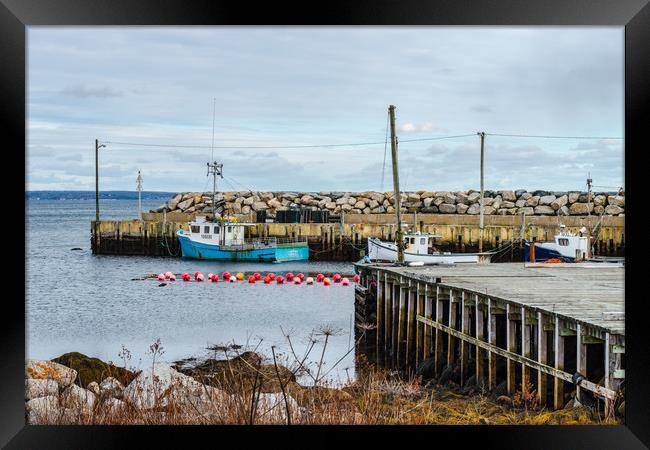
(195, 229)
(216, 230)
(206, 230)
(563, 242)
(423, 241)
(229, 229)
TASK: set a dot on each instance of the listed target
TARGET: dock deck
(503, 322)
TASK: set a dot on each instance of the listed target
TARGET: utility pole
(215, 169)
(480, 226)
(589, 181)
(139, 189)
(398, 200)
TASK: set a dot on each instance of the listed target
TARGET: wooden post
(541, 358)
(419, 326)
(438, 344)
(558, 384)
(581, 356)
(411, 298)
(388, 307)
(525, 347)
(401, 326)
(428, 309)
(511, 346)
(492, 337)
(380, 317)
(464, 346)
(451, 340)
(478, 316)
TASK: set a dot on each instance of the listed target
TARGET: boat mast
(215, 169)
(398, 206)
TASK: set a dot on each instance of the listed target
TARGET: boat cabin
(420, 243)
(572, 245)
(221, 233)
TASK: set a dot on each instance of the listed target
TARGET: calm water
(80, 302)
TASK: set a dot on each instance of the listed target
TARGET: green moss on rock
(91, 369)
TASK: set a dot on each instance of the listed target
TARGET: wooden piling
(492, 337)
(511, 346)
(438, 344)
(558, 384)
(464, 345)
(380, 317)
(479, 318)
(451, 340)
(541, 358)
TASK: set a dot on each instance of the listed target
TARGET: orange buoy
(553, 260)
(309, 280)
(279, 279)
(345, 282)
(326, 281)
(289, 276)
(251, 279)
(240, 276)
(168, 275)
(356, 278)
(267, 279)
(297, 280)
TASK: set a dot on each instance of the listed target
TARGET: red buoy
(215, 278)
(356, 278)
(279, 279)
(225, 275)
(319, 278)
(185, 276)
(257, 275)
(267, 279)
(289, 276)
(336, 278)
(301, 276)
(271, 276)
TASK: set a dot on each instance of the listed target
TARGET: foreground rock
(93, 369)
(36, 369)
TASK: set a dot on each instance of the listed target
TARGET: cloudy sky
(288, 86)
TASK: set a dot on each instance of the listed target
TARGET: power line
(552, 137)
(143, 144)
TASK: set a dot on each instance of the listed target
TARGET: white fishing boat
(418, 248)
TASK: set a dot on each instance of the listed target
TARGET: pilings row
(489, 342)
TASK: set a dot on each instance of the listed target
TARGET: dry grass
(240, 395)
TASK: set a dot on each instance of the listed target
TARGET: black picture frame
(634, 15)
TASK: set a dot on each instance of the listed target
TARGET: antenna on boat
(398, 212)
(215, 169)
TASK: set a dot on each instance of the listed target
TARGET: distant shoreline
(90, 195)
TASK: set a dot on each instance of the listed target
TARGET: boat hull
(382, 251)
(543, 252)
(197, 250)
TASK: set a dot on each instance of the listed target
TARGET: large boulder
(149, 389)
(43, 410)
(446, 208)
(461, 208)
(580, 209)
(616, 200)
(527, 210)
(78, 400)
(36, 369)
(600, 200)
(272, 408)
(473, 197)
(508, 196)
(573, 196)
(40, 388)
(474, 208)
(544, 210)
(174, 201)
(559, 202)
(533, 201)
(185, 204)
(111, 387)
(613, 210)
(93, 369)
(546, 200)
